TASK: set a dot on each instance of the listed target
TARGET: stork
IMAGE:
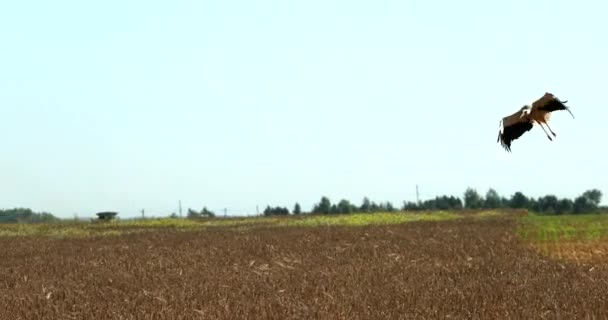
(538, 112)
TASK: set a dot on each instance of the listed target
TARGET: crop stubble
(467, 268)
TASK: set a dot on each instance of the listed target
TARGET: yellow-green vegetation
(118, 227)
(564, 227)
(487, 214)
(579, 238)
(364, 219)
(87, 229)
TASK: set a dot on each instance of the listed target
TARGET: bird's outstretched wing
(512, 133)
(513, 127)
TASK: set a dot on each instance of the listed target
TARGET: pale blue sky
(123, 105)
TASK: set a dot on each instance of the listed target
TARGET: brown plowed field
(463, 269)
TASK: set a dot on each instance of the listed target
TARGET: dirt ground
(462, 269)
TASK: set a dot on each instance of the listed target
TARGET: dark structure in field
(107, 215)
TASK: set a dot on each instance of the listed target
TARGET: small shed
(106, 215)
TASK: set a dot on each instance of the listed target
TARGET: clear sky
(124, 105)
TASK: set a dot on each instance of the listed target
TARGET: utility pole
(417, 196)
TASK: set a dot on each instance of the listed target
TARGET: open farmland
(391, 266)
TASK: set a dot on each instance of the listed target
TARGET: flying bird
(522, 121)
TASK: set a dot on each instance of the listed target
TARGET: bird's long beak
(568, 109)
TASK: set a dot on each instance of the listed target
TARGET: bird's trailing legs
(553, 133)
(548, 136)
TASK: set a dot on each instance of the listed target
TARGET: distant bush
(204, 213)
(269, 211)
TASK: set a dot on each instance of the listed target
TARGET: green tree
(588, 202)
(207, 213)
(25, 215)
(582, 205)
(344, 206)
(504, 202)
(270, 211)
(472, 199)
(594, 196)
(366, 205)
(519, 201)
(533, 204)
(442, 203)
(374, 207)
(324, 206)
(333, 209)
(455, 203)
(548, 204)
(297, 209)
(410, 206)
(492, 200)
(192, 214)
(564, 206)
(430, 204)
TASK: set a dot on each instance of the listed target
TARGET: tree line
(25, 215)
(588, 202)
